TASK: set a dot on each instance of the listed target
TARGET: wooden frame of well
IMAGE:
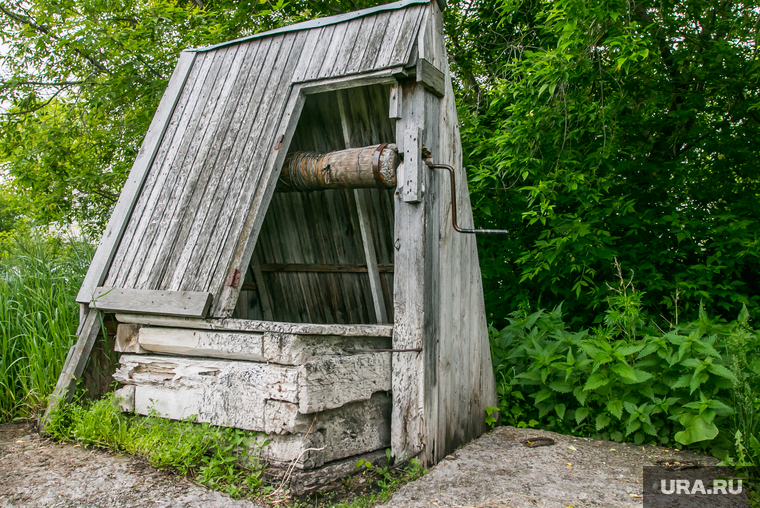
(282, 258)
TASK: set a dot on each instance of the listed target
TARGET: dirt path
(495, 471)
(499, 471)
(36, 472)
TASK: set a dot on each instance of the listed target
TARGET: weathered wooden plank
(234, 154)
(361, 45)
(353, 429)
(170, 303)
(185, 226)
(312, 44)
(259, 326)
(334, 381)
(264, 296)
(335, 45)
(430, 77)
(237, 203)
(413, 172)
(234, 393)
(374, 44)
(74, 365)
(109, 242)
(369, 251)
(177, 341)
(310, 480)
(384, 56)
(319, 52)
(146, 246)
(279, 348)
(379, 77)
(179, 195)
(239, 245)
(348, 45)
(409, 290)
(122, 261)
(395, 109)
(407, 36)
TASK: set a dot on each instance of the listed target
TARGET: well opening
(326, 256)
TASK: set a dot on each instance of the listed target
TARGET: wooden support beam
(378, 300)
(264, 297)
(279, 348)
(365, 225)
(411, 284)
(74, 365)
(323, 268)
(235, 393)
(430, 77)
(167, 303)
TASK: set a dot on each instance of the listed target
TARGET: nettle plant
(623, 380)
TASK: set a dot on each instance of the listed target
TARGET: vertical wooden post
(409, 291)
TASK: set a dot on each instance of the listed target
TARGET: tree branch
(18, 18)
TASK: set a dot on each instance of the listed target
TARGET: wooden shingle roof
(196, 196)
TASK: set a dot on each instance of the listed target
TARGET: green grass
(220, 458)
(39, 278)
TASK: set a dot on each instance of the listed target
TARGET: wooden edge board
(322, 22)
(431, 77)
(171, 303)
(111, 238)
(382, 77)
(250, 325)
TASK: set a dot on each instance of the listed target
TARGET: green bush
(39, 279)
(627, 379)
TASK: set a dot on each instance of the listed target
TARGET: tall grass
(39, 278)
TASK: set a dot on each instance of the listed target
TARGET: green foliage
(39, 278)
(82, 79)
(612, 129)
(622, 380)
(220, 458)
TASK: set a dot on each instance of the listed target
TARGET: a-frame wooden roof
(191, 208)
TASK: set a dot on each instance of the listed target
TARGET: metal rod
(413, 350)
(454, 206)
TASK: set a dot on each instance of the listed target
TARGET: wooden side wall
(322, 228)
(439, 394)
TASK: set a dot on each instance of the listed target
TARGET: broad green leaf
(696, 429)
(624, 370)
(581, 414)
(595, 381)
(560, 409)
(542, 396)
(616, 408)
(602, 420)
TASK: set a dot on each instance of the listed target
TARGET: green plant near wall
(39, 278)
(623, 380)
(223, 459)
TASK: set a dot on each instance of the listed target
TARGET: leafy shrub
(625, 380)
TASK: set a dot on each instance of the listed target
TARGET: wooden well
(343, 315)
